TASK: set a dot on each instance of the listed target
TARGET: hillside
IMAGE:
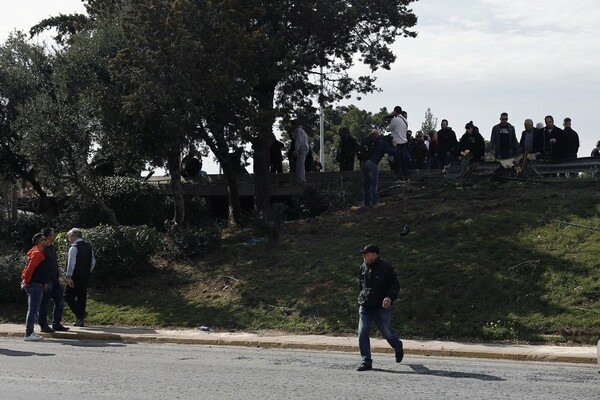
(482, 261)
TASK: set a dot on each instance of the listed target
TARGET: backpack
(365, 149)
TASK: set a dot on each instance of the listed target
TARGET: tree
(185, 79)
(296, 39)
(25, 72)
(224, 71)
(359, 122)
(65, 130)
(430, 122)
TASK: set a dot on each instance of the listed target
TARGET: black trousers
(76, 298)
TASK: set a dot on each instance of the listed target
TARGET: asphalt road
(66, 369)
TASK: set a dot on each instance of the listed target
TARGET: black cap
(370, 248)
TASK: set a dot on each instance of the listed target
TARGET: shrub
(121, 252)
(11, 265)
(19, 232)
(134, 202)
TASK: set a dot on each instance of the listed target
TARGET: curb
(278, 342)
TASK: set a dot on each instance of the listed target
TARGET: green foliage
(121, 252)
(134, 202)
(19, 232)
(11, 265)
(430, 122)
(359, 122)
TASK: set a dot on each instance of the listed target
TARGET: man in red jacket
(34, 279)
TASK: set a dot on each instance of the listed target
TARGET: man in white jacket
(301, 149)
(398, 127)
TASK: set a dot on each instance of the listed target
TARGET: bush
(121, 252)
(18, 233)
(181, 243)
(11, 265)
(134, 202)
(316, 200)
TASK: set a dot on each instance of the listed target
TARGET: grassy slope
(485, 262)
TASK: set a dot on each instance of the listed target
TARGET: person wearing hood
(35, 278)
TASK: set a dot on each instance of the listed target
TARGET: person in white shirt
(398, 127)
(301, 149)
(80, 264)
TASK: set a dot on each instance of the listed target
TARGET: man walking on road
(379, 288)
(80, 264)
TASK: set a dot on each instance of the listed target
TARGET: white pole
(321, 126)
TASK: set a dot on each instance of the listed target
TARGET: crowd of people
(40, 280)
(423, 150)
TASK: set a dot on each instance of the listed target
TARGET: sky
(471, 61)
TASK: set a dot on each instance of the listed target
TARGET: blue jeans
(370, 177)
(383, 320)
(34, 299)
(54, 292)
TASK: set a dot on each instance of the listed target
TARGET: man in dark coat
(553, 139)
(504, 139)
(376, 147)
(347, 151)
(379, 289)
(571, 138)
(447, 145)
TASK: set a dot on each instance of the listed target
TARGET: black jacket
(475, 143)
(447, 142)
(571, 145)
(377, 281)
(52, 261)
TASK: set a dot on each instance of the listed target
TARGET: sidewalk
(269, 339)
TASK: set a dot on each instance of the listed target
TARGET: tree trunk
(173, 164)
(220, 148)
(112, 217)
(262, 144)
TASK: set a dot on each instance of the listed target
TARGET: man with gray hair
(80, 264)
(530, 139)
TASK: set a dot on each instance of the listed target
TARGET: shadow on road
(423, 370)
(91, 343)
(16, 353)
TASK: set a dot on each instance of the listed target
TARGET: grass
(482, 262)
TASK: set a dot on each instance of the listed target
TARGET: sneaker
(364, 367)
(80, 322)
(32, 338)
(399, 354)
(46, 329)
(60, 328)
